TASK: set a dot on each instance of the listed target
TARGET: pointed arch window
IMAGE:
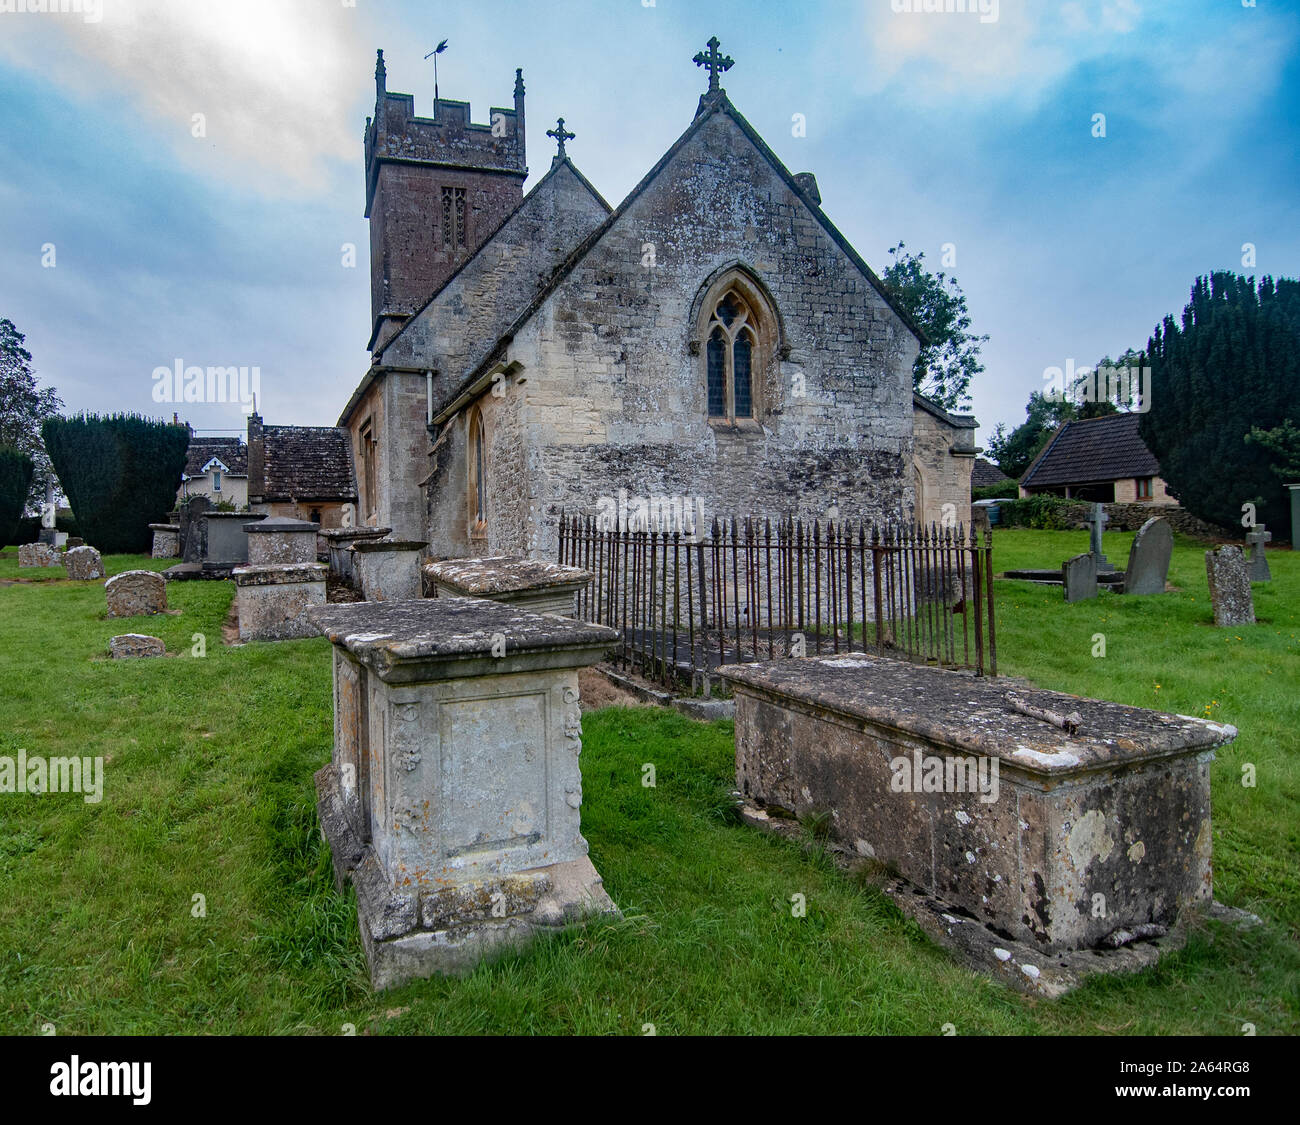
(731, 348)
(477, 477)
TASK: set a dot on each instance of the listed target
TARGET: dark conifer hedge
(1231, 365)
(16, 471)
(120, 474)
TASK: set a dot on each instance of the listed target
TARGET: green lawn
(208, 792)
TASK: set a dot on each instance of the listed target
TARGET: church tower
(436, 189)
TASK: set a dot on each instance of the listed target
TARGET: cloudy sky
(128, 242)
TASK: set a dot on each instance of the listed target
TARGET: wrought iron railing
(755, 589)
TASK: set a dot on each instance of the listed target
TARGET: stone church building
(713, 339)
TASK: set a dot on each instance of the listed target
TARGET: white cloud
(275, 81)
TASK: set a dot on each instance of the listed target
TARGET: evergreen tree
(946, 364)
(1231, 366)
(120, 474)
(23, 407)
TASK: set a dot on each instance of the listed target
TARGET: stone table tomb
(1058, 836)
(532, 584)
(452, 798)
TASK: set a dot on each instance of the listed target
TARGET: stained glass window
(717, 374)
(730, 358)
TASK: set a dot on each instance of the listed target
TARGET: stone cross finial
(561, 136)
(716, 63)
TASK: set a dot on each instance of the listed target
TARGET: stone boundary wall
(1131, 517)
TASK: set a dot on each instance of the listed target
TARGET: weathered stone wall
(945, 476)
(470, 312)
(614, 398)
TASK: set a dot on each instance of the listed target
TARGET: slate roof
(983, 473)
(231, 452)
(307, 463)
(1094, 449)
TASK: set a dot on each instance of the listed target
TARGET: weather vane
(434, 55)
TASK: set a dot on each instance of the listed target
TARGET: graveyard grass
(208, 791)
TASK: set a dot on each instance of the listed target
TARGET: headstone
(1294, 489)
(1148, 558)
(83, 564)
(132, 645)
(136, 593)
(166, 540)
(1096, 523)
(1079, 577)
(38, 554)
(194, 530)
(1256, 537)
(75, 541)
(1230, 592)
(452, 798)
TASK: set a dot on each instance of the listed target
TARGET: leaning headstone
(38, 554)
(1256, 537)
(83, 564)
(130, 646)
(194, 530)
(1079, 577)
(452, 799)
(1229, 587)
(136, 593)
(1096, 524)
(1148, 558)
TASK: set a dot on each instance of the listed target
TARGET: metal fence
(753, 589)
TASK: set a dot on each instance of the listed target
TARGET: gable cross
(561, 136)
(716, 63)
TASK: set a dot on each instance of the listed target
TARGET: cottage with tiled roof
(302, 472)
(1098, 459)
(215, 467)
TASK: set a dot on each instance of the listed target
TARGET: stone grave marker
(1079, 577)
(1230, 593)
(1017, 806)
(452, 797)
(388, 570)
(166, 540)
(130, 646)
(136, 593)
(38, 554)
(1148, 558)
(1096, 523)
(83, 564)
(1256, 537)
(531, 584)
